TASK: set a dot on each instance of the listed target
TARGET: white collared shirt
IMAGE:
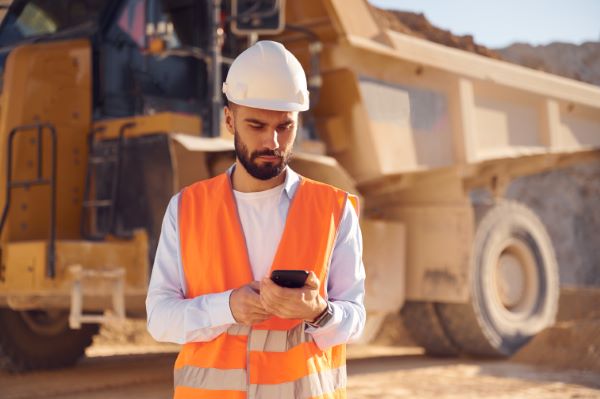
(174, 318)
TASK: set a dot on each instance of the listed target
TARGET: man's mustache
(268, 153)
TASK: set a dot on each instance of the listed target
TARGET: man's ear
(229, 119)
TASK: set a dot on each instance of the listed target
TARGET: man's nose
(271, 140)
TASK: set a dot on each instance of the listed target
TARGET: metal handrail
(50, 269)
(111, 202)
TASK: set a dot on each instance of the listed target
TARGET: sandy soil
(374, 372)
(426, 378)
(561, 362)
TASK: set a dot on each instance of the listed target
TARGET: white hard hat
(267, 76)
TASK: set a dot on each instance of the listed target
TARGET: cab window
(28, 19)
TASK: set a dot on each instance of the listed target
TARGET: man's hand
(293, 303)
(245, 304)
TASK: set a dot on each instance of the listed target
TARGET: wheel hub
(516, 278)
(511, 281)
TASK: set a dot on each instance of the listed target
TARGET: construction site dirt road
(562, 362)
(374, 372)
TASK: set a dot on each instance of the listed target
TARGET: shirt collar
(290, 185)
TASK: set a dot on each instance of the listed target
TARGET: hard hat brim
(271, 105)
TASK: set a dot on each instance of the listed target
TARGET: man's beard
(267, 170)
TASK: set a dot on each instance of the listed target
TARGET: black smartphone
(289, 278)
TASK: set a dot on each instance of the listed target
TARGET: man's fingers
(254, 301)
(273, 302)
(266, 292)
(275, 298)
(260, 309)
(265, 301)
(276, 292)
(255, 285)
(255, 315)
(253, 294)
(268, 284)
(278, 308)
(262, 314)
(259, 318)
(246, 305)
(269, 303)
(291, 303)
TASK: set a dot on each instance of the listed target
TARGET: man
(243, 335)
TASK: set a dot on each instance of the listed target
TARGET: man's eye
(285, 127)
(256, 126)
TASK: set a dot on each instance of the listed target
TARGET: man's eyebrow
(257, 121)
(286, 122)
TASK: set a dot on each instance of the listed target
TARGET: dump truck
(110, 107)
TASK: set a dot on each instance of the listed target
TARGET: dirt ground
(561, 362)
(417, 376)
(374, 372)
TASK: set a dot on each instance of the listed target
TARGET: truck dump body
(426, 106)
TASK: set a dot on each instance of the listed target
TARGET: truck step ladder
(115, 276)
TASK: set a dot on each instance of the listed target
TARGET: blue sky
(502, 22)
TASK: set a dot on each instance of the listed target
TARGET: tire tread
(423, 324)
(14, 358)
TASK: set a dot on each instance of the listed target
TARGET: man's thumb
(312, 281)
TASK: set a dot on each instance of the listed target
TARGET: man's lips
(269, 158)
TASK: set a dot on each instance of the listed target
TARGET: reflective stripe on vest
(276, 358)
(278, 340)
(317, 384)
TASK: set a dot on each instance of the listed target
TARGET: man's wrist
(321, 310)
(231, 292)
(323, 318)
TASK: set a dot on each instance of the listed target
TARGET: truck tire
(422, 322)
(514, 284)
(37, 339)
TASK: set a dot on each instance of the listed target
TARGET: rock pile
(417, 25)
(579, 62)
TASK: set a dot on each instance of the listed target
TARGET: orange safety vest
(276, 358)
